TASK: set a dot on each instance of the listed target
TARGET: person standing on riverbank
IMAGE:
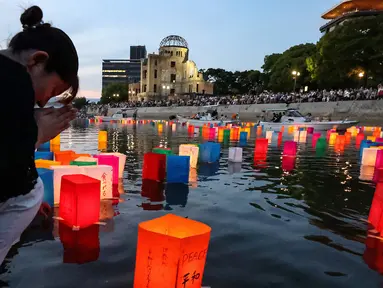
(40, 63)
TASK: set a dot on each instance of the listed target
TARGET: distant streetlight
(296, 74)
(361, 75)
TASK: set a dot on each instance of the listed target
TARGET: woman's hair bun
(31, 16)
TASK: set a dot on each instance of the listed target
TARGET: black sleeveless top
(18, 130)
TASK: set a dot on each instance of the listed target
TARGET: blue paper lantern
(176, 194)
(44, 155)
(177, 169)
(243, 136)
(364, 144)
(46, 176)
(45, 147)
(210, 152)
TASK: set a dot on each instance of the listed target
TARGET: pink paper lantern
(379, 140)
(290, 148)
(212, 133)
(379, 159)
(112, 161)
(310, 130)
(315, 138)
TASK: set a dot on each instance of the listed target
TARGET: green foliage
(115, 92)
(79, 102)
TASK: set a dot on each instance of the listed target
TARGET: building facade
(137, 52)
(170, 73)
(350, 9)
(120, 71)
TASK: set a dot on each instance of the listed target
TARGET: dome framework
(174, 41)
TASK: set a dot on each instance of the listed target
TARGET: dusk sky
(228, 34)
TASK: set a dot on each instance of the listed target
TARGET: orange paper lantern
(41, 163)
(65, 157)
(171, 252)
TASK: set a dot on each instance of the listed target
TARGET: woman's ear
(38, 57)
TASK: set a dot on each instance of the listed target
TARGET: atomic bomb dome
(174, 41)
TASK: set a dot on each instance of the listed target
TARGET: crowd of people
(265, 97)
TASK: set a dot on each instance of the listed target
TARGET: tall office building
(137, 52)
(120, 71)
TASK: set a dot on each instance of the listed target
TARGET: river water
(270, 227)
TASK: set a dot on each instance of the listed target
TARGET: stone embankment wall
(365, 111)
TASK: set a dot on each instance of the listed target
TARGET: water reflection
(176, 194)
(208, 169)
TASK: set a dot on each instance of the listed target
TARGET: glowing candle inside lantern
(102, 136)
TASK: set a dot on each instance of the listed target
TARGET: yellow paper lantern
(40, 163)
(371, 138)
(290, 130)
(102, 146)
(332, 138)
(302, 136)
(102, 136)
(269, 135)
(192, 151)
(56, 140)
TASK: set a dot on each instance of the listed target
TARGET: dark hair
(42, 36)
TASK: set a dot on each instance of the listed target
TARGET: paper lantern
(103, 136)
(310, 130)
(315, 138)
(174, 127)
(102, 146)
(288, 163)
(81, 246)
(154, 166)
(359, 139)
(347, 137)
(121, 162)
(103, 173)
(46, 176)
(226, 135)
(171, 252)
(110, 160)
(235, 154)
(369, 156)
(234, 134)
(211, 133)
(290, 130)
(261, 146)
(79, 200)
(290, 148)
(233, 168)
(340, 142)
(329, 132)
(220, 132)
(45, 147)
(378, 175)
(43, 155)
(65, 157)
(302, 136)
(40, 163)
(209, 152)
(176, 194)
(191, 129)
(259, 130)
(321, 144)
(193, 178)
(371, 138)
(269, 135)
(56, 141)
(366, 173)
(58, 173)
(162, 150)
(332, 138)
(87, 161)
(153, 190)
(379, 140)
(379, 159)
(375, 216)
(364, 144)
(192, 151)
(177, 169)
(243, 136)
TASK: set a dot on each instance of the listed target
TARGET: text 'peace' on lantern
(79, 200)
(154, 167)
(171, 252)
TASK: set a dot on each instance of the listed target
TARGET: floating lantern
(161, 150)
(209, 152)
(243, 136)
(310, 130)
(45, 147)
(369, 156)
(303, 136)
(110, 160)
(211, 133)
(65, 157)
(81, 246)
(340, 142)
(364, 144)
(46, 176)
(235, 154)
(192, 151)
(347, 137)
(79, 200)
(171, 252)
(332, 138)
(315, 138)
(226, 135)
(160, 127)
(121, 162)
(290, 148)
(296, 136)
(154, 167)
(288, 163)
(104, 174)
(234, 135)
(261, 146)
(58, 173)
(102, 136)
(259, 130)
(371, 138)
(375, 216)
(193, 178)
(220, 132)
(84, 161)
(379, 140)
(379, 159)
(106, 210)
(269, 135)
(191, 129)
(321, 144)
(177, 169)
(56, 141)
(40, 163)
(153, 190)
(43, 155)
(366, 173)
(359, 139)
(290, 130)
(102, 146)
(174, 127)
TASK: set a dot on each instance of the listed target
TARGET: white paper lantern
(269, 135)
(104, 173)
(121, 162)
(369, 156)
(235, 154)
(192, 151)
(302, 136)
(58, 172)
(174, 127)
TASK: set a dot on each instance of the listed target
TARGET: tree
(115, 92)
(79, 102)
(354, 47)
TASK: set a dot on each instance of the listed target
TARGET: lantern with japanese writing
(235, 154)
(177, 169)
(290, 148)
(110, 160)
(79, 200)
(103, 173)
(65, 157)
(261, 146)
(369, 156)
(81, 246)
(154, 167)
(171, 252)
(192, 151)
(103, 136)
(121, 162)
(46, 176)
(43, 155)
(315, 138)
(209, 152)
(40, 163)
